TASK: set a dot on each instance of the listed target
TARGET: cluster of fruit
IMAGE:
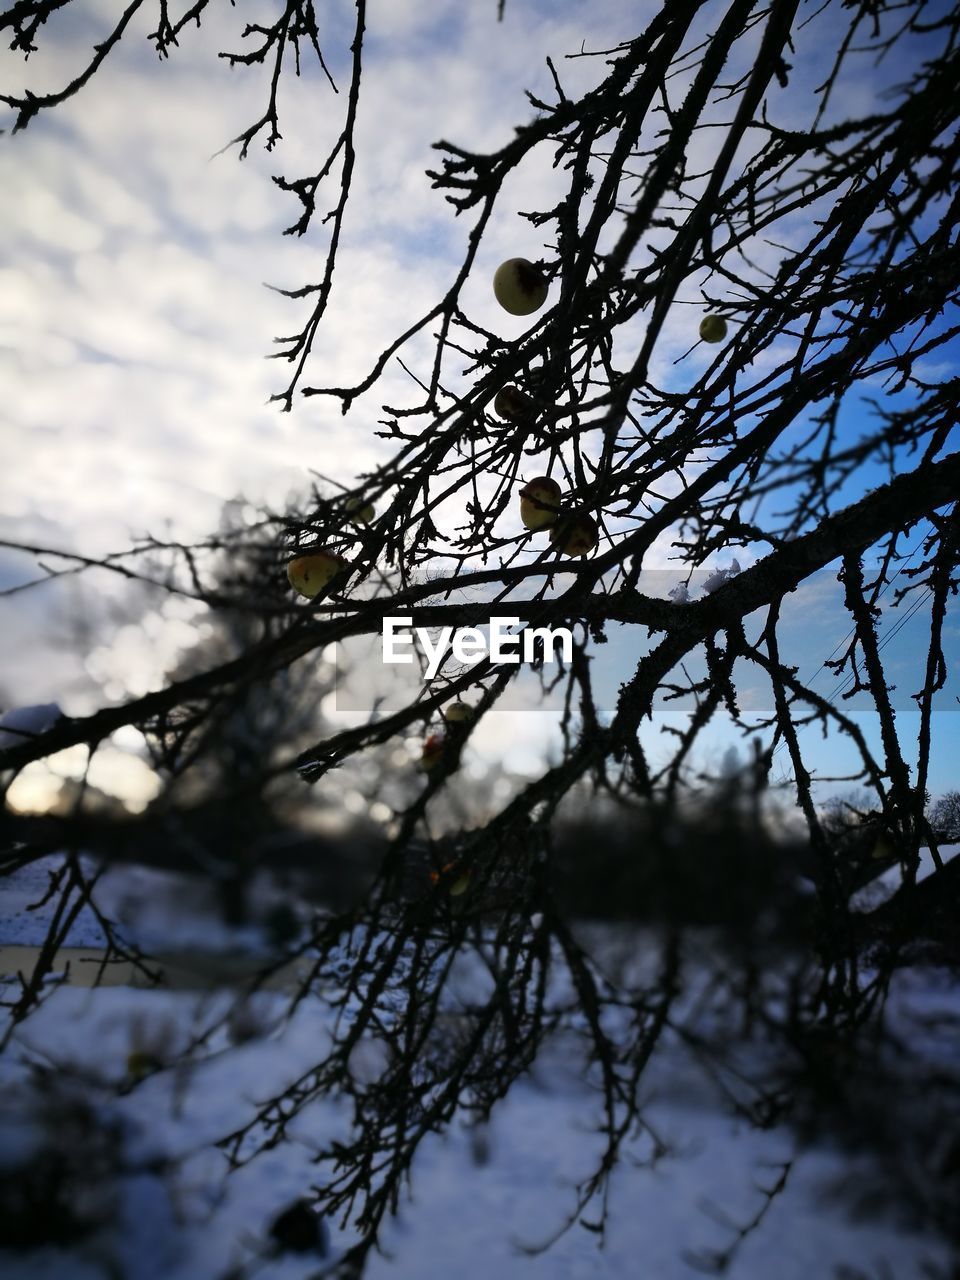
(574, 533)
(521, 288)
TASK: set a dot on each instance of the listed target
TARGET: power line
(880, 594)
(901, 623)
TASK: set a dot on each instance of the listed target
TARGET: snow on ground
(464, 1218)
(157, 910)
(472, 1204)
(888, 882)
(24, 916)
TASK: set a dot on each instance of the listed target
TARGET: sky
(134, 321)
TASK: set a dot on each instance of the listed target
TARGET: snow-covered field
(476, 1200)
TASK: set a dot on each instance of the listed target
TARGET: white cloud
(133, 318)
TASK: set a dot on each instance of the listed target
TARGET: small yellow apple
(433, 752)
(576, 535)
(713, 328)
(520, 287)
(458, 713)
(540, 503)
(310, 573)
(511, 404)
(360, 512)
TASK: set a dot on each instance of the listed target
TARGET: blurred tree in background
(945, 817)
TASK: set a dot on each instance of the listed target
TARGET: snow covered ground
(475, 1200)
(889, 881)
(463, 1218)
(155, 909)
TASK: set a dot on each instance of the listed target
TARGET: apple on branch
(512, 405)
(310, 573)
(360, 512)
(458, 713)
(540, 503)
(520, 287)
(713, 328)
(575, 535)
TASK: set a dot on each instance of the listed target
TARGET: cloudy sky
(134, 321)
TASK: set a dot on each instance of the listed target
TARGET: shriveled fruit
(540, 503)
(575, 535)
(511, 404)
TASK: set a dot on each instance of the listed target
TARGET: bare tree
(827, 246)
(945, 816)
